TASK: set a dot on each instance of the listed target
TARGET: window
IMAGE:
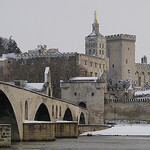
(95, 74)
(92, 94)
(93, 51)
(85, 62)
(100, 52)
(99, 66)
(75, 93)
(91, 64)
(100, 45)
(95, 65)
(89, 51)
(113, 66)
(91, 74)
(126, 61)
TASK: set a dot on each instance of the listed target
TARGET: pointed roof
(95, 27)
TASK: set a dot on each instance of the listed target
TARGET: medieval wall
(142, 74)
(86, 94)
(132, 110)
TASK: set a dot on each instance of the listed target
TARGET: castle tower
(95, 43)
(121, 54)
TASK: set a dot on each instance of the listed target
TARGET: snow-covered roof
(84, 79)
(5, 56)
(2, 58)
(34, 86)
(141, 93)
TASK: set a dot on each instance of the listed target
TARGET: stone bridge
(18, 104)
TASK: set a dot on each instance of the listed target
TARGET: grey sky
(63, 24)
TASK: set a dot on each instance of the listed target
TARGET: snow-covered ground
(124, 130)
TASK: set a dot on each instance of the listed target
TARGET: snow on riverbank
(124, 130)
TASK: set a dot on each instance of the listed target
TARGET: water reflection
(88, 143)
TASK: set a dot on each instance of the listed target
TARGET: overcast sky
(63, 24)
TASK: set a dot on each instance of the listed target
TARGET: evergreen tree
(2, 49)
(12, 46)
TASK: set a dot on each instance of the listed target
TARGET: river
(88, 143)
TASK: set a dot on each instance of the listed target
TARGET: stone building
(102, 53)
(121, 54)
(87, 92)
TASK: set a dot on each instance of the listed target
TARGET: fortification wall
(121, 37)
(136, 110)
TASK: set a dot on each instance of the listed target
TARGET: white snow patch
(34, 86)
(84, 78)
(124, 130)
(32, 121)
(140, 93)
(64, 121)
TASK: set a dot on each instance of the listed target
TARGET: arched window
(56, 112)
(60, 111)
(26, 110)
(52, 110)
(82, 104)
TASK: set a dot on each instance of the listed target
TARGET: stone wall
(66, 129)
(87, 128)
(5, 135)
(91, 94)
(131, 110)
(38, 131)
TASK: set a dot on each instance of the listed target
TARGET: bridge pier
(5, 135)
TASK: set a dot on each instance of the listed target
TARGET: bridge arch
(8, 114)
(82, 118)
(42, 113)
(68, 115)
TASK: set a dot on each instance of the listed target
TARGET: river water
(88, 143)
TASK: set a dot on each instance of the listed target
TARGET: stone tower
(121, 54)
(95, 43)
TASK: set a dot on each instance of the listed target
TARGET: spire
(95, 25)
(95, 17)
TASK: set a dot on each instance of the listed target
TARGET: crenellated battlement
(121, 37)
(144, 99)
(45, 55)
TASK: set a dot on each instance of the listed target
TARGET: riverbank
(123, 130)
